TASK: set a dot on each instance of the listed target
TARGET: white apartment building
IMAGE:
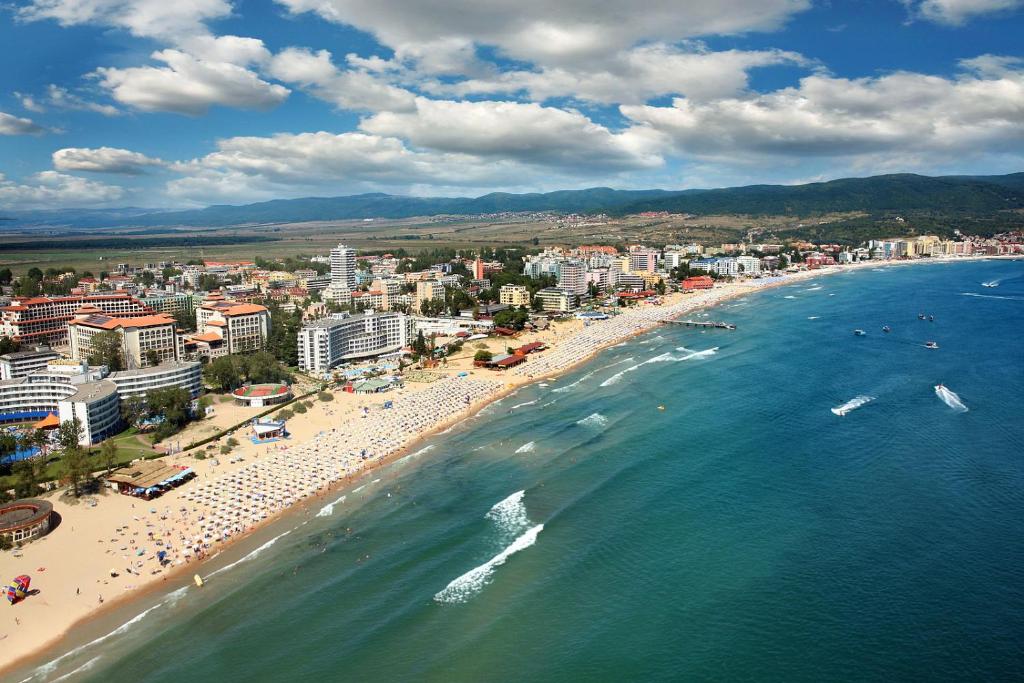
(343, 268)
(749, 265)
(328, 342)
(572, 278)
(514, 295)
(141, 337)
(184, 374)
(24, 363)
(642, 260)
(69, 389)
(242, 327)
(557, 300)
(448, 327)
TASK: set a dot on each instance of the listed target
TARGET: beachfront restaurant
(502, 361)
(150, 479)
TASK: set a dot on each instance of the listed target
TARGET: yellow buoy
(198, 579)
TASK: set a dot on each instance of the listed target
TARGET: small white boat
(931, 345)
(859, 333)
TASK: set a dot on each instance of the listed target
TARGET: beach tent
(18, 588)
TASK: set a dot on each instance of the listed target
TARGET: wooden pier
(701, 323)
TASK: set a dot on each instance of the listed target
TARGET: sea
(787, 501)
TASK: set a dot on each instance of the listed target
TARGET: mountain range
(897, 193)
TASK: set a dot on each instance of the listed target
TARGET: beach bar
(149, 478)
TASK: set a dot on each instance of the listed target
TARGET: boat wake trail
(789, 296)
(992, 296)
(852, 404)
(813, 317)
(328, 510)
(527, 447)
(515, 532)
(950, 398)
(593, 420)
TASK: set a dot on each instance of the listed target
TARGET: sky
(183, 103)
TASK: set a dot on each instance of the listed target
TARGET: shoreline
(121, 610)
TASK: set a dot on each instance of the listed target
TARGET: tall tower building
(343, 268)
(478, 269)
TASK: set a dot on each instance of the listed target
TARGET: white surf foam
(509, 514)
(813, 317)
(950, 398)
(328, 510)
(567, 387)
(666, 357)
(527, 447)
(789, 296)
(473, 581)
(593, 420)
(254, 554)
(43, 671)
(813, 289)
(82, 669)
(852, 404)
(416, 454)
(528, 403)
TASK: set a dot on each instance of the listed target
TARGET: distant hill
(951, 195)
(887, 193)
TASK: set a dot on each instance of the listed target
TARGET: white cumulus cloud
(50, 189)
(956, 12)
(103, 160)
(523, 132)
(189, 85)
(16, 125)
(144, 18)
(347, 89)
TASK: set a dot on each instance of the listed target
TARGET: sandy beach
(109, 548)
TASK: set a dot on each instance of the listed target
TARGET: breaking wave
(527, 447)
(950, 398)
(567, 387)
(513, 525)
(254, 554)
(852, 404)
(813, 317)
(593, 420)
(328, 510)
(528, 403)
(666, 357)
(813, 289)
(789, 296)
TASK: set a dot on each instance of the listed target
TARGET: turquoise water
(743, 532)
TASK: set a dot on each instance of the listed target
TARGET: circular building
(25, 519)
(259, 395)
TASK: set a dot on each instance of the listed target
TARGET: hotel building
(241, 327)
(141, 337)
(328, 342)
(514, 295)
(44, 320)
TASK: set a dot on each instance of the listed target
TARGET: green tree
(6, 276)
(28, 474)
(223, 373)
(512, 318)
(106, 350)
(34, 274)
(483, 355)
(108, 455)
(325, 396)
(152, 357)
(783, 262)
(186, 318)
(133, 410)
(74, 459)
(419, 345)
(174, 405)
(8, 345)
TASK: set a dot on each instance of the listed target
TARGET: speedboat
(989, 284)
(931, 345)
(931, 318)
(920, 316)
(886, 329)
(859, 333)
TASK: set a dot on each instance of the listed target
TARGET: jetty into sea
(701, 323)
